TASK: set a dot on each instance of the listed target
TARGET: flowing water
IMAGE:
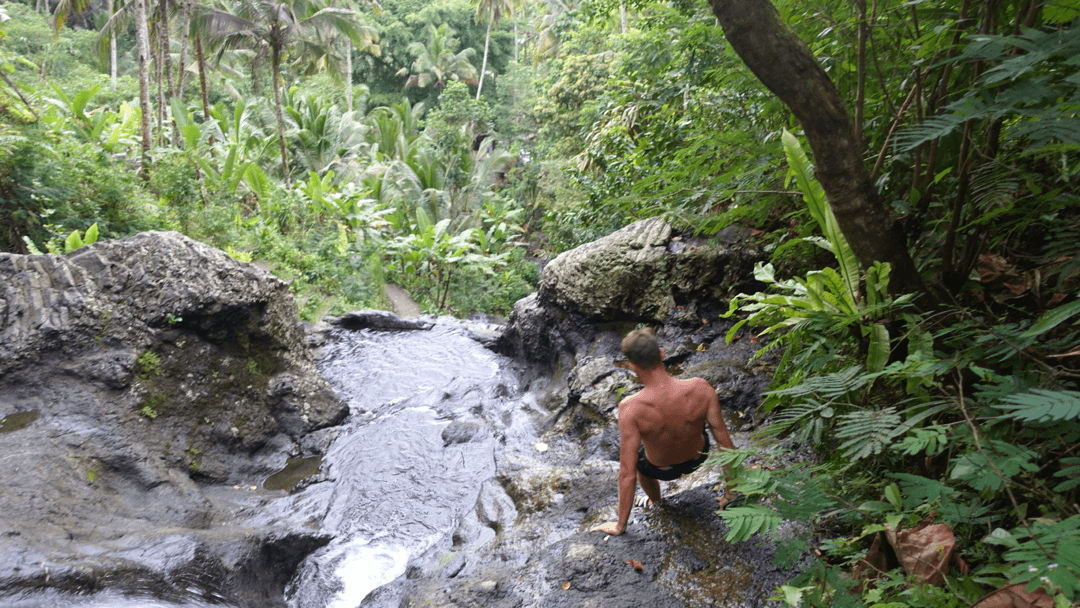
(403, 480)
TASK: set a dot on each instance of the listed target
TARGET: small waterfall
(428, 409)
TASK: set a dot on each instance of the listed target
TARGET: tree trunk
(142, 45)
(166, 47)
(112, 49)
(348, 74)
(622, 16)
(201, 62)
(160, 83)
(275, 62)
(483, 64)
(19, 92)
(185, 26)
(786, 66)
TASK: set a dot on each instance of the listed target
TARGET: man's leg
(651, 487)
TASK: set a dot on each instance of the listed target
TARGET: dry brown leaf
(1016, 596)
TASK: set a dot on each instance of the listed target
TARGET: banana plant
(434, 254)
(73, 113)
(233, 138)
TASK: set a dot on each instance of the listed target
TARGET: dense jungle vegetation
(921, 301)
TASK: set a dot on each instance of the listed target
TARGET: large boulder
(141, 381)
(644, 273)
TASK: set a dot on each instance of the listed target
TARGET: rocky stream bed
(171, 435)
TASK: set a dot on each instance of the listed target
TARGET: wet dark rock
(164, 373)
(460, 431)
(378, 320)
(679, 547)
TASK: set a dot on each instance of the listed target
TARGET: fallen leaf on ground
(635, 564)
(566, 585)
(1016, 596)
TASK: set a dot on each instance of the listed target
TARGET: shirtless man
(668, 419)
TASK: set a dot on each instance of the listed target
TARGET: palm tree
(546, 26)
(270, 27)
(320, 53)
(138, 9)
(438, 61)
(67, 8)
(142, 46)
(491, 11)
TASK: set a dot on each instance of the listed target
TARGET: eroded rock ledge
(149, 375)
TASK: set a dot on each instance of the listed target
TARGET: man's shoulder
(698, 384)
(629, 400)
(630, 405)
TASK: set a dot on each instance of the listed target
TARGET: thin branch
(892, 129)
(20, 94)
(1004, 481)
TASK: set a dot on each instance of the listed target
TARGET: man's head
(642, 349)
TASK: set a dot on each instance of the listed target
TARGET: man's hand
(608, 527)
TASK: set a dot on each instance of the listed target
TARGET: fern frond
(1041, 405)
(1007, 460)
(744, 522)
(930, 129)
(868, 432)
(809, 413)
(1061, 567)
(805, 497)
(1070, 469)
(828, 386)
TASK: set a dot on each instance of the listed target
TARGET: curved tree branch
(786, 66)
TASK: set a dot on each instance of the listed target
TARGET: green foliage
(1041, 406)
(52, 185)
(148, 364)
(1033, 83)
(829, 301)
(744, 522)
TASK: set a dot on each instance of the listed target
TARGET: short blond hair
(641, 348)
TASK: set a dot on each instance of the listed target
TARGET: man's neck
(656, 376)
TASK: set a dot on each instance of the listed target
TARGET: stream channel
(428, 410)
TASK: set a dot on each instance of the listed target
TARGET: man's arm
(629, 441)
(715, 418)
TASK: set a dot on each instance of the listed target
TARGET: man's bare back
(668, 418)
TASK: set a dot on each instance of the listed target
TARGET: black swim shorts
(674, 471)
